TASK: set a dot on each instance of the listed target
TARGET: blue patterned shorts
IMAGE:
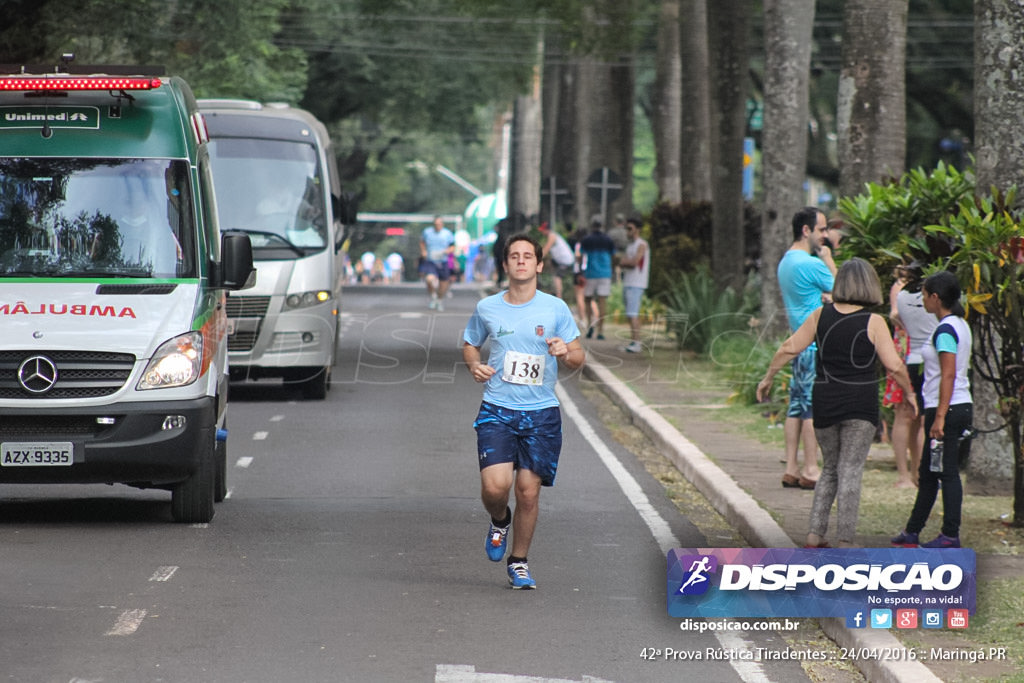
(529, 439)
(800, 388)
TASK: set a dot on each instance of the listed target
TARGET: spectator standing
(619, 232)
(436, 244)
(560, 254)
(579, 280)
(396, 266)
(519, 431)
(368, 260)
(636, 272)
(948, 414)
(850, 341)
(893, 398)
(919, 324)
(597, 251)
(805, 275)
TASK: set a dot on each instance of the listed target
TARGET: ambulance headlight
(176, 363)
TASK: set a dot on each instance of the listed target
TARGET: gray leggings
(844, 449)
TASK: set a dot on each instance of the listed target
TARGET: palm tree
(871, 109)
(729, 21)
(788, 27)
(998, 107)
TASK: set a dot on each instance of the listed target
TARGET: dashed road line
(163, 573)
(127, 623)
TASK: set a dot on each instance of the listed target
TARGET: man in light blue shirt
(436, 244)
(519, 426)
(805, 274)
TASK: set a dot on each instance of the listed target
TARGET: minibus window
(272, 189)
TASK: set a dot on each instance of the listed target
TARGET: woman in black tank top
(851, 340)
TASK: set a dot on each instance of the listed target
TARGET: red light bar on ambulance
(58, 83)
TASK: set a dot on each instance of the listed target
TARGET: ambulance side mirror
(236, 267)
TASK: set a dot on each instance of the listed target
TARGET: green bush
(680, 239)
(699, 316)
(886, 225)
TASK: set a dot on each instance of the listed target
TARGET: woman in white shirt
(948, 414)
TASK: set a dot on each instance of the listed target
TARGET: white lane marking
(277, 418)
(411, 316)
(463, 673)
(659, 527)
(163, 573)
(749, 671)
(259, 436)
(127, 623)
(243, 462)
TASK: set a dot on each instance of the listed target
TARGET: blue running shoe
(519, 576)
(497, 541)
(905, 540)
(942, 541)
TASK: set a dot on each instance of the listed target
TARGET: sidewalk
(741, 479)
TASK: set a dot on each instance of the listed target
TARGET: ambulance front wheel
(192, 499)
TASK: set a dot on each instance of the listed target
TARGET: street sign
(604, 186)
(554, 195)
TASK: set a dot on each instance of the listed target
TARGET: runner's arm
(480, 371)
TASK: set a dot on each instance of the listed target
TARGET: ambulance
(113, 281)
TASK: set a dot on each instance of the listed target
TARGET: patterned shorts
(529, 439)
(802, 385)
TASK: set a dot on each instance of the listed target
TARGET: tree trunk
(524, 185)
(695, 114)
(728, 22)
(788, 25)
(527, 136)
(998, 103)
(871, 110)
(667, 105)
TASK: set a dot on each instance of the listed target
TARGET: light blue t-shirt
(521, 329)
(437, 243)
(803, 278)
(598, 248)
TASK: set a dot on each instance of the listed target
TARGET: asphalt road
(350, 547)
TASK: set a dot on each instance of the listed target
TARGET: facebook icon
(856, 619)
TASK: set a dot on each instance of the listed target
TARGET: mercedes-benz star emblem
(37, 374)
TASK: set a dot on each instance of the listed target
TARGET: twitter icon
(881, 618)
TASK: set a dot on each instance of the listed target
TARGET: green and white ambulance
(113, 274)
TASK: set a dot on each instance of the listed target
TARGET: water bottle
(935, 451)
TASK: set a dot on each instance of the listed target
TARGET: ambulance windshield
(96, 218)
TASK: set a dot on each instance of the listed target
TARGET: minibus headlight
(306, 299)
(176, 363)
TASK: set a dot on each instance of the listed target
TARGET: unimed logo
(54, 117)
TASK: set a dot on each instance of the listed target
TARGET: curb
(741, 510)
